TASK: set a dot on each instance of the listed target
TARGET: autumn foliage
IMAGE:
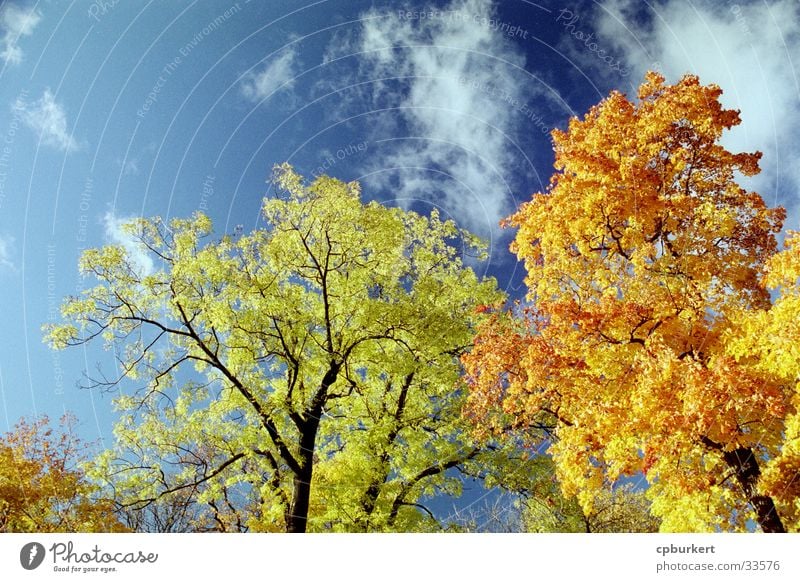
(768, 342)
(42, 487)
(638, 348)
(306, 376)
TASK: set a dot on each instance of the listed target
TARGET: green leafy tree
(300, 377)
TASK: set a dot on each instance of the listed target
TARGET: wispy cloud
(750, 50)
(6, 246)
(129, 167)
(276, 76)
(113, 227)
(15, 22)
(47, 118)
(446, 94)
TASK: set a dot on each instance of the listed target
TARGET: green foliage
(303, 376)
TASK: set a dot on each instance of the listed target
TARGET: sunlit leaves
(321, 349)
(767, 342)
(640, 256)
(43, 488)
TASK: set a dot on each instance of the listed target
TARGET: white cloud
(276, 76)
(138, 254)
(752, 51)
(451, 88)
(129, 167)
(47, 117)
(6, 245)
(15, 22)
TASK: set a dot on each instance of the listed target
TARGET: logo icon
(31, 555)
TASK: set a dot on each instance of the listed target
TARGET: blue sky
(110, 110)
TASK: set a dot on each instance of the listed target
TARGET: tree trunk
(297, 515)
(747, 472)
(745, 467)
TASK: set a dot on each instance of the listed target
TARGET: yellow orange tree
(43, 488)
(638, 255)
(768, 341)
